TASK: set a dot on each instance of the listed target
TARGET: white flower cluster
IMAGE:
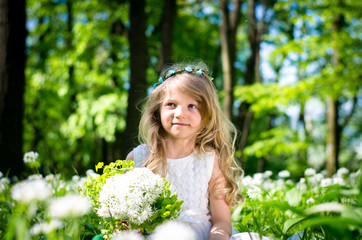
(46, 227)
(30, 157)
(31, 190)
(4, 183)
(170, 230)
(254, 192)
(129, 196)
(284, 174)
(69, 206)
(127, 235)
(173, 230)
(253, 186)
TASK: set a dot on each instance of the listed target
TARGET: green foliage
(77, 76)
(316, 207)
(75, 96)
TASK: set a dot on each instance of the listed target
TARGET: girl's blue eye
(192, 106)
(170, 104)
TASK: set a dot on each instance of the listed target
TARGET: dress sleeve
(139, 154)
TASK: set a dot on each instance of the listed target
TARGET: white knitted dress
(189, 177)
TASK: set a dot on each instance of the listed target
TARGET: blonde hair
(217, 132)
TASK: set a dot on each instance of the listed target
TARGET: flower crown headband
(188, 69)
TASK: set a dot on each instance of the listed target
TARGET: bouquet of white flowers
(127, 198)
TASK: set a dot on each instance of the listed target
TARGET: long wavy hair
(216, 133)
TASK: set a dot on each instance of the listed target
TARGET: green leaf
(291, 223)
(326, 207)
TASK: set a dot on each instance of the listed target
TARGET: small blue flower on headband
(170, 72)
(189, 69)
(160, 80)
(199, 72)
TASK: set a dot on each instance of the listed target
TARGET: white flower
(247, 181)
(315, 179)
(339, 181)
(45, 227)
(268, 185)
(35, 177)
(4, 184)
(51, 178)
(81, 185)
(342, 171)
(129, 196)
(30, 157)
(31, 190)
(279, 184)
(289, 182)
(69, 206)
(258, 179)
(309, 172)
(1, 174)
(359, 150)
(175, 231)
(353, 177)
(284, 174)
(254, 192)
(127, 235)
(267, 174)
(326, 182)
(91, 173)
(302, 180)
(75, 178)
(310, 200)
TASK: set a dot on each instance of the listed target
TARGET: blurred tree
(92, 43)
(112, 151)
(138, 68)
(169, 14)
(228, 29)
(12, 81)
(308, 44)
(256, 28)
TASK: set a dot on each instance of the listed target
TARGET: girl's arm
(220, 211)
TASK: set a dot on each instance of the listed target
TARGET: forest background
(73, 74)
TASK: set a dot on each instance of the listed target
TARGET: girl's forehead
(172, 93)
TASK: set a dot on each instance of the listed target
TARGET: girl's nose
(179, 111)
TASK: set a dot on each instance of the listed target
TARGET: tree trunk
(245, 116)
(228, 31)
(167, 25)
(71, 79)
(112, 152)
(12, 81)
(252, 35)
(138, 65)
(252, 73)
(334, 131)
(332, 138)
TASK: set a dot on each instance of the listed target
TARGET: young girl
(188, 140)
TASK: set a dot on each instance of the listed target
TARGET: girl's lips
(180, 124)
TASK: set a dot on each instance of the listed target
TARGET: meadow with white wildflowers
(314, 207)
(50, 207)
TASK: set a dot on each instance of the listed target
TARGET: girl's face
(180, 115)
